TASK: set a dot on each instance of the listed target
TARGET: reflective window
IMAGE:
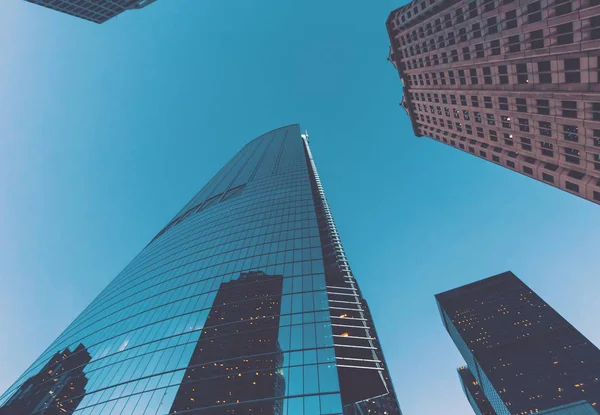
(229, 307)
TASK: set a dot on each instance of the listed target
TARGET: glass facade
(521, 353)
(479, 402)
(576, 408)
(97, 11)
(243, 303)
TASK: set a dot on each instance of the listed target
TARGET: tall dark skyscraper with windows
(479, 402)
(522, 356)
(243, 303)
(97, 11)
(516, 83)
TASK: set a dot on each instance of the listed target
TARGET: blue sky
(107, 130)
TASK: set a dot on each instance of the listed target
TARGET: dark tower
(523, 355)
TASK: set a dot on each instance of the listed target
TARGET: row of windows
(564, 108)
(489, 26)
(235, 245)
(235, 191)
(535, 40)
(543, 71)
(563, 34)
(295, 341)
(527, 14)
(154, 402)
(254, 225)
(132, 347)
(105, 7)
(181, 293)
(539, 72)
(546, 148)
(485, 151)
(290, 206)
(544, 129)
(97, 11)
(522, 124)
(414, 11)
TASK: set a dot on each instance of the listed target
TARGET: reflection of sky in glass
(142, 329)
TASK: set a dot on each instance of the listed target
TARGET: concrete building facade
(515, 82)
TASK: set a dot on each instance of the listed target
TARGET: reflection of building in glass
(56, 389)
(156, 327)
(97, 11)
(238, 359)
(522, 355)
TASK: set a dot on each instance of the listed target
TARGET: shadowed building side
(365, 383)
(522, 354)
(473, 392)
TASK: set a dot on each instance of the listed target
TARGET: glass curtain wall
(225, 311)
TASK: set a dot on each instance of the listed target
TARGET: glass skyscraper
(523, 357)
(244, 303)
(97, 11)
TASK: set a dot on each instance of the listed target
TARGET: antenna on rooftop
(305, 135)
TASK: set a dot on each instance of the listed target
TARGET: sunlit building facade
(243, 303)
(516, 83)
(97, 11)
(522, 356)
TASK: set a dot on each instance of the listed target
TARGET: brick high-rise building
(515, 82)
(523, 357)
(97, 11)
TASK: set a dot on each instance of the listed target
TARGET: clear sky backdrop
(106, 131)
